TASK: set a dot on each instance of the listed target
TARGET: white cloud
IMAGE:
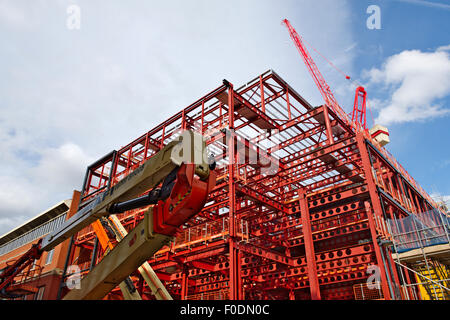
(351, 47)
(11, 15)
(438, 197)
(16, 196)
(444, 48)
(62, 166)
(30, 187)
(430, 4)
(416, 81)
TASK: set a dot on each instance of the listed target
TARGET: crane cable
(347, 77)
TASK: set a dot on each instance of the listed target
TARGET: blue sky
(70, 96)
(421, 146)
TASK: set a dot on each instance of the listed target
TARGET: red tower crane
(359, 113)
(359, 107)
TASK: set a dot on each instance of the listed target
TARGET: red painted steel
(253, 240)
(324, 88)
(359, 107)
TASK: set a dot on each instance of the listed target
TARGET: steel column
(309, 247)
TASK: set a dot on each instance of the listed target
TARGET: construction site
(294, 202)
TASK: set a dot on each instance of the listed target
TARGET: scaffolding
(26, 282)
(421, 245)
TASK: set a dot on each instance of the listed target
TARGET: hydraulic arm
(180, 179)
(127, 287)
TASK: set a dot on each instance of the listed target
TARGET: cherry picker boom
(180, 177)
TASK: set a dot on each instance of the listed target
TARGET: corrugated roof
(38, 220)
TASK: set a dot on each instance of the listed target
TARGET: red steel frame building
(309, 231)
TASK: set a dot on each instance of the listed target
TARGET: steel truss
(308, 229)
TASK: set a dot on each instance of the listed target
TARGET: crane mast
(359, 107)
(324, 88)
